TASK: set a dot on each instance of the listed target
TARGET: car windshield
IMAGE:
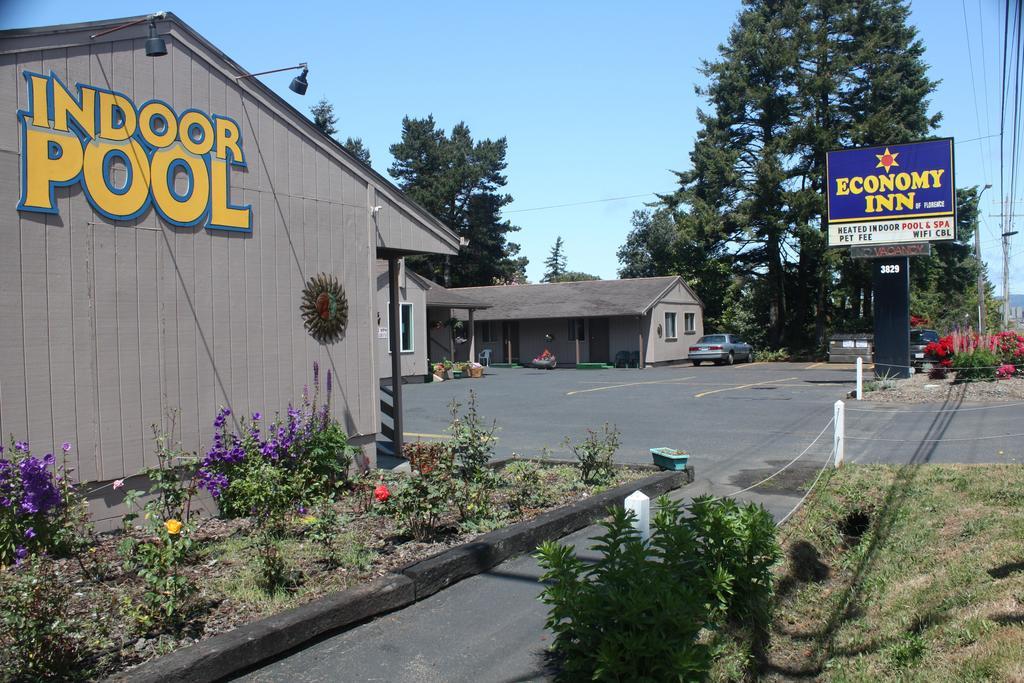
(712, 339)
(923, 336)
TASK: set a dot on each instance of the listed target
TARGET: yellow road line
(428, 436)
(630, 384)
(814, 365)
(743, 386)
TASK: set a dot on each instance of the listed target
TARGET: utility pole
(1006, 276)
(981, 268)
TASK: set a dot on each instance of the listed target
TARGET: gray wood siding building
(608, 316)
(105, 325)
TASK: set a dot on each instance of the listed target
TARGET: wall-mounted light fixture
(155, 45)
(298, 84)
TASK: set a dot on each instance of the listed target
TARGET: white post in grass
(860, 378)
(839, 433)
(640, 505)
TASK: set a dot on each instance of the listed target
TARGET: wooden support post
(472, 338)
(395, 338)
(577, 348)
(640, 330)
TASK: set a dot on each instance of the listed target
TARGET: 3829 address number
(890, 269)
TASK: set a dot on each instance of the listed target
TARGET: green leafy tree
(459, 180)
(358, 149)
(555, 263)
(324, 118)
(792, 81)
(575, 276)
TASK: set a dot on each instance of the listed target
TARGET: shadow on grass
(1004, 570)
(848, 604)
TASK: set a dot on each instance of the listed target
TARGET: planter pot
(544, 364)
(449, 374)
(669, 458)
(476, 372)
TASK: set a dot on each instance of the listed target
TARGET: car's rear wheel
(696, 363)
(731, 359)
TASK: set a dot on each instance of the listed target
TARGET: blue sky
(596, 98)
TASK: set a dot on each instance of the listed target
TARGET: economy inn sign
(894, 194)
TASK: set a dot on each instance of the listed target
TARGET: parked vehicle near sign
(919, 340)
(720, 348)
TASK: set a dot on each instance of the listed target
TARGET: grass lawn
(902, 573)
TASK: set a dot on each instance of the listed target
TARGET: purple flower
(66, 447)
(30, 533)
(48, 459)
(328, 383)
(221, 418)
(316, 374)
(257, 416)
(5, 502)
(21, 552)
(21, 446)
(40, 492)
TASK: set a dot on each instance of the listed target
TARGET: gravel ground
(920, 389)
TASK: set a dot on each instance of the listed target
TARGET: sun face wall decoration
(324, 308)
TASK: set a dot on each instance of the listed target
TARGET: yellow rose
(173, 526)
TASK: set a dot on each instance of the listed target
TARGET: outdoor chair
(634, 359)
(485, 357)
(622, 359)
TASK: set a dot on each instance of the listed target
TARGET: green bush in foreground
(637, 612)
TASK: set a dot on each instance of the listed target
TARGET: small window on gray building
(670, 326)
(690, 320)
(406, 333)
(486, 332)
(576, 329)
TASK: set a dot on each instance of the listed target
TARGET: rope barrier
(930, 412)
(784, 467)
(970, 438)
(800, 502)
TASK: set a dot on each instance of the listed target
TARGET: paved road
(740, 423)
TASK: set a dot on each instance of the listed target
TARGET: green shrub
(979, 364)
(636, 613)
(595, 454)
(771, 355)
(160, 558)
(419, 503)
(472, 444)
(40, 638)
(525, 486)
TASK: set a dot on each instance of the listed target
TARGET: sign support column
(891, 280)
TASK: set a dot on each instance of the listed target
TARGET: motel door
(510, 341)
(599, 340)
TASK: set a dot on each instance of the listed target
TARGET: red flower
(381, 493)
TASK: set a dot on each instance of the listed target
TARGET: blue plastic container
(669, 458)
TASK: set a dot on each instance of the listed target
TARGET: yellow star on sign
(887, 160)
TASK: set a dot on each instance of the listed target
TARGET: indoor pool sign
(127, 158)
(891, 194)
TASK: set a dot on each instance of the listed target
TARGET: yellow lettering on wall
(117, 117)
(125, 158)
(193, 122)
(119, 202)
(937, 175)
(66, 108)
(228, 138)
(158, 125)
(842, 186)
(222, 214)
(51, 158)
(38, 87)
(184, 209)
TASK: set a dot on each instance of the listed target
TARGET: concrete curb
(248, 645)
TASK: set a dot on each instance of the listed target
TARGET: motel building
(165, 217)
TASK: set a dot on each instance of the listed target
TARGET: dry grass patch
(904, 573)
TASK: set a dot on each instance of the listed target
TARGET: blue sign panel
(891, 194)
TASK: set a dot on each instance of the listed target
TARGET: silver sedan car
(720, 348)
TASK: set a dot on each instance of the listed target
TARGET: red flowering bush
(975, 356)
(1005, 371)
(381, 493)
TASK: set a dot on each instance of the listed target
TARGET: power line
(974, 91)
(984, 82)
(592, 201)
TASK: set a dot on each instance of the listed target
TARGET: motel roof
(590, 298)
(442, 297)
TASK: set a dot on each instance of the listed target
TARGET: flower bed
(290, 531)
(975, 357)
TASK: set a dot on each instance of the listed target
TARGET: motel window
(486, 332)
(670, 326)
(690, 320)
(406, 332)
(576, 329)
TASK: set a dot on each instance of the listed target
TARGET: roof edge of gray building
(368, 174)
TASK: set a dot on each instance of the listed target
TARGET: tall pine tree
(459, 180)
(554, 265)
